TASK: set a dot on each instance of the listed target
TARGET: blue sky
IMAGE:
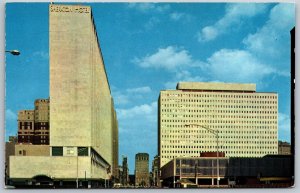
(149, 47)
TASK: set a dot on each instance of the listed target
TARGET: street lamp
(216, 133)
(13, 52)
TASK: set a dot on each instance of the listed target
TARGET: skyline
(233, 35)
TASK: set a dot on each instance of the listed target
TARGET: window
(83, 151)
(57, 151)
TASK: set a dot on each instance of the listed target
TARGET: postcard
(149, 95)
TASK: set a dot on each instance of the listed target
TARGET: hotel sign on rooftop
(72, 9)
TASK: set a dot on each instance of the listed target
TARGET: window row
(203, 131)
(171, 115)
(221, 146)
(169, 95)
(219, 121)
(178, 128)
(214, 101)
(193, 151)
(177, 142)
(167, 137)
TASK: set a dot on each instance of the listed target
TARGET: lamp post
(13, 52)
(216, 133)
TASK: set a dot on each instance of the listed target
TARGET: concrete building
(284, 148)
(83, 126)
(31, 150)
(142, 169)
(9, 151)
(33, 125)
(246, 120)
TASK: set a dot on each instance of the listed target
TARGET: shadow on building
(202, 172)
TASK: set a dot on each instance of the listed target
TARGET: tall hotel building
(84, 130)
(246, 120)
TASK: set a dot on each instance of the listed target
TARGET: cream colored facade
(59, 167)
(247, 121)
(84, 133)
(31, 150)
(81, 103)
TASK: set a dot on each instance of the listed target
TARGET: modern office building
(142, 169)
(33, 125)
(83, 133)
(190, 117)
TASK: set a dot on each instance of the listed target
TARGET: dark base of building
(58, 184)
(237, 182)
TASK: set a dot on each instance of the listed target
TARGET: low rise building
(31, 150)
(284, 148)
(9, 151)
(267, 171)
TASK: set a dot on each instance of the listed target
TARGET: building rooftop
(216, 86)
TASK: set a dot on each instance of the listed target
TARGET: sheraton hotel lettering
(74, 9)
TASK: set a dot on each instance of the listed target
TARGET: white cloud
(233, 15)
(145, 111)
(168, 58)
(176, 16)
(237, 66)
(270, 40)
(126, 97)
(151, 23)
(208, 33)
(147, 7)
(121, 99)
(145, 89)
(10, 115)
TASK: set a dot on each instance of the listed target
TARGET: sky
(148, 47)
